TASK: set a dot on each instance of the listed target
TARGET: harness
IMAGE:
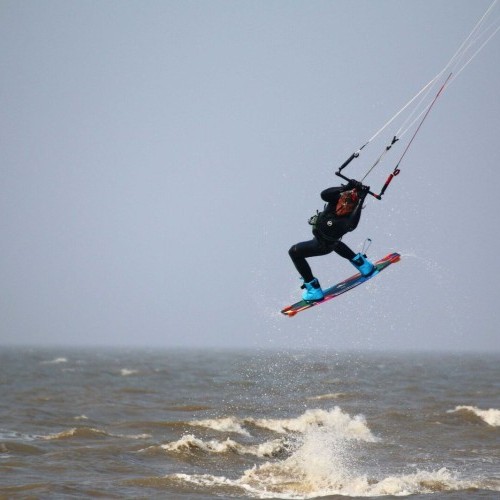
(330, 227)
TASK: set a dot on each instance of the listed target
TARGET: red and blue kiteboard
(342, 287)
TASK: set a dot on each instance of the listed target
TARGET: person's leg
(343, 250)
(363, 265)
(299, 252)
(359, 261)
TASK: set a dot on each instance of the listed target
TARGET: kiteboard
(343, 286)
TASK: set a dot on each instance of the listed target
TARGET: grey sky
(159, 158)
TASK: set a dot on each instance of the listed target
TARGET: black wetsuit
(327, 232)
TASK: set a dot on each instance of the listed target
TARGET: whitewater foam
(189, 442)
(79, 432)
(321, 397)
(319, 445)
(88, 433)
(271, 482)
(335, 420)
(125, 372)
(55, 361)
(226, 424)
(321, 461)
(491, 416)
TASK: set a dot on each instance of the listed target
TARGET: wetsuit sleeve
(332, 195)
(356, 214)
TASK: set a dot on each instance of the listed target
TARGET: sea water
(254, 424)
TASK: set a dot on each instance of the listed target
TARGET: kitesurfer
(340, 215)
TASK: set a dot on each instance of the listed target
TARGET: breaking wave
(335, 420)
(55, 361)
(318, 456)
(323, 397)
(77, 432)
(126, 372)
(289, 480)
(491, 416)
(226, 424)
(190, 443)
(88, 433)
(322, 462)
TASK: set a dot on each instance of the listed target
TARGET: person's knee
(293, 251)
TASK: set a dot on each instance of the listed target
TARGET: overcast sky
(159, 158)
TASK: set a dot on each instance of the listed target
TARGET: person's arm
(332, 195)
(356, 214)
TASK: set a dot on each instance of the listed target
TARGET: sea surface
(253, 424)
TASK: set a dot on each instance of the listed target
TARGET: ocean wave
(320, 461)
(76, 432)
(18, 448)
(225, 424)
(88, 433)
(491, 416)
(126, 372)
(188, 408)
(15, 436)
(270, 481)
(81, 417)
(191, 443)
(55, 361)
(335, 420)
(322, 397)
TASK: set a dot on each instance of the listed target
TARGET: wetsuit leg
(343, 250)
(300, 251)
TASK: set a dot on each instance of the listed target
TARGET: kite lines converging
(423, 102)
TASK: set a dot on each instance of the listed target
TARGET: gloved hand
(354, 184)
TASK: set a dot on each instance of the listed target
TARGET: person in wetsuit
(341, 215)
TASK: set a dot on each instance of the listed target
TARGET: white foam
(15, 436)
(269, 481)
(419, 482)
(226, 424)
(321, 397)
(88, 433)
(335, 420)
(125, 372)
(321, 462)
(190, 443)
(132, 436)
(55, 361)
(491, 416)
